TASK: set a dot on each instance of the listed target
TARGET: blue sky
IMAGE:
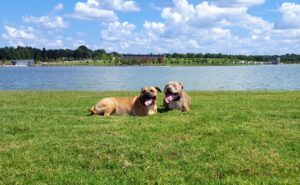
(158, 26)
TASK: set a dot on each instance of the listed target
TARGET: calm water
(281, 77)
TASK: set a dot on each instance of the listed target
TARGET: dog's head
(173, 91)
(148, 95)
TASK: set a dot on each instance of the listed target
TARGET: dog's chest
(152, 110)
(174, 105)
(145, 111)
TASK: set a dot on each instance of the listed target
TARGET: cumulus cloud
(117, 31)
(208, 15)
(13, 33)
(56, 22)
(182, 11)
(29, 37)
(118, 36)
(209, 27)
(121, 5)
(92, 10)
(49, 21)
(156, 27)
(290, 16)
(239, 3)
(103, 10)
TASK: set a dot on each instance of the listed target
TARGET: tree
(82, 52)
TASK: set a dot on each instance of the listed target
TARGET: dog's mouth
(148, 99)
(149, 102)
(169, 97)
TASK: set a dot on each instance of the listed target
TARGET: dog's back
(111, 105)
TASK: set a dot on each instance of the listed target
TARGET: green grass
(226, 138)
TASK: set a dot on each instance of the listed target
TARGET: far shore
(66, 64)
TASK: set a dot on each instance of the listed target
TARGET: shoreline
(84, 65)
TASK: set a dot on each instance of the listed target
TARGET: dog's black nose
(148, 95)
(169, 90)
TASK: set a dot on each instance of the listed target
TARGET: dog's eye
(152, 90)
(143, 91)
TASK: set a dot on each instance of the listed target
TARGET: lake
(262, 77)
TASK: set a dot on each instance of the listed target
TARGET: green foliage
(226, 138)
(81, 53)
(84, 53)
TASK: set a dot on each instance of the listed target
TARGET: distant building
(29, 62)
(145, 58)
(276, 61)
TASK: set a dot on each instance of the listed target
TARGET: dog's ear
(158, 89)
(181, 85)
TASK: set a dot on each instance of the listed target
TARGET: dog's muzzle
(148, 99)
(171, 96)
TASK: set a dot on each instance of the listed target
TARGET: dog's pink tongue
(169, 98)
(148, 102)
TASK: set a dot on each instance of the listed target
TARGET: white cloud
(121, 5)
(103, 10)
(155, 27)
(206, 27)
(290, 15)
(13, 33)
(210, 15)
(117, 31)
(59, 7)
(239, 3)
(30, 37)
(92, 10)
(56, 22)
(182, 11)
(119, 36)
(209, 27)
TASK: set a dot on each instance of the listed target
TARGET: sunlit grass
(226, 138)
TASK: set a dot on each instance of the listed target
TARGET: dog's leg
(92, 111)
(109, 110)
(100, 110)
(185, 108)
(166, 106)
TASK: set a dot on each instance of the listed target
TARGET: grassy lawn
(226, 138)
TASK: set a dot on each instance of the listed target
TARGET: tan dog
(176, 98)
(142, 105)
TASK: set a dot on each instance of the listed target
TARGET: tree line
(260, 58)
(83, 53)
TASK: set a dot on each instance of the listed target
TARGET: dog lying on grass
(142, 105)
(176, 97)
